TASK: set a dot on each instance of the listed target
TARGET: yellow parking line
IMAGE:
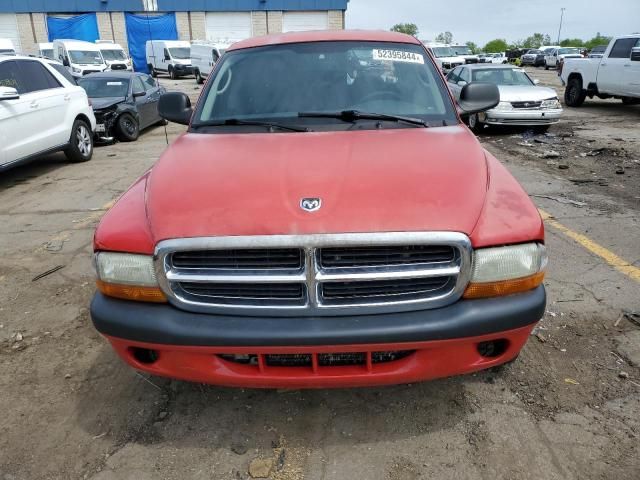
(608, 256)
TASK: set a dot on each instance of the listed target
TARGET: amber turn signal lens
(504, 287)
(132, 292)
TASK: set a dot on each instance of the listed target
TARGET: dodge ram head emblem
(310, 204)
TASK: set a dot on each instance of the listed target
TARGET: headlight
(76, 70)
(502, 106)
(128, 276)
(551, 103)
(506, 270)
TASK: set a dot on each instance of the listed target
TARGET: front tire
(172, 73)
(127, 128)
(199, 78)
(80, 143)
(630, 101)
(574, 94)
(475, 125)
(546, 66)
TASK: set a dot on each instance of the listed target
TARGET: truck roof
(171, 43)
(326, 36)
(70, 43)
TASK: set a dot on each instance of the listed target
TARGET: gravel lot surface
(568, 408)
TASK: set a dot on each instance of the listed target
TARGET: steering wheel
(380, 95)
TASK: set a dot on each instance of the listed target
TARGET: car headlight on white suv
(552, 103)
(498, 271)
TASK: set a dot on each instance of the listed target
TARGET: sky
(482, 20)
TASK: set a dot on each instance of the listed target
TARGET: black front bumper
(164, 324)
(183, 69)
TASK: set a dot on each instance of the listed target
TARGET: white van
(45, 50)
(204, 56)
(81, 58)
(6, 47)
(444, 56)
(114, 55)
(169, 56)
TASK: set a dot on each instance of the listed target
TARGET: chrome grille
(307, 275)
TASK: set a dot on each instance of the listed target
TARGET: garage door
(228, 26)
(9, 29)
(302, 21)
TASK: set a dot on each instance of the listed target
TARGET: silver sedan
(522, 101)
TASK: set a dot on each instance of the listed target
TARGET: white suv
(41, 112)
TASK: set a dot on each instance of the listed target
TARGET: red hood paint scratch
(377, 180)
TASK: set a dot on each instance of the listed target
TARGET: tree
(445, 37)
(408, 28)
(597, 40)
(496, 46)
(473, 47)
(571, 42)
(536, 41)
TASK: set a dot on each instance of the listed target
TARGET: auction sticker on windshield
(397, 56)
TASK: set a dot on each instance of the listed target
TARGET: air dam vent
(342, 359)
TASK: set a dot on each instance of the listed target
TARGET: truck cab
(172, 57)
(204, 56)
(465, 52)
(444, 56)
(326, 220)
(114, 55)
(556, 56)
(45, 50)
(6, 47)
(615, 75)
(81, 58)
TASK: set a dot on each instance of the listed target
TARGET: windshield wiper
(237, 121)
(354, 115)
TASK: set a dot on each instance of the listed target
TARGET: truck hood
(523, 93)
(410, 179)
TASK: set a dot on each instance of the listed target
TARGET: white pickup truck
(616, 74)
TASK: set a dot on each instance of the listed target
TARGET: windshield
(278, 82)
(47, 53)
(104, 87)
(502, 76)
(569, 51)
(440, 52)
(114, 55)
(85, 57)
(181, 53)
(462, 50)
(534, 52)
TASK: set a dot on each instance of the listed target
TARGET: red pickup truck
(327, 220)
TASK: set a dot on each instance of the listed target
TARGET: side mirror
(175, 107)
(65, 61)
(167, 57)
(635, 54)
(536, 81)
(8, 93)
(462, 83)
(139, 94)
(478, 97)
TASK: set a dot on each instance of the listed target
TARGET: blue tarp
(79, 27)
(141, 28)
